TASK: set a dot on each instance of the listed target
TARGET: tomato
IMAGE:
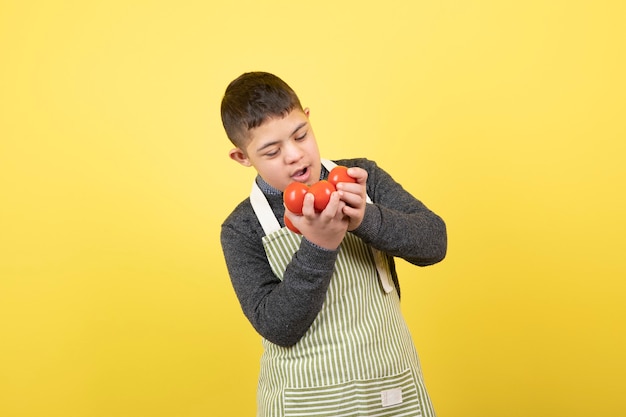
(321, 190)
(290, 225)
(339, 174)
(294, 196)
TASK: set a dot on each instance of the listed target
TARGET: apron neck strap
(263, 210)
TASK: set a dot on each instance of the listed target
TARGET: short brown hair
(251, 99)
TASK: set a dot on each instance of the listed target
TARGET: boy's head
(271, 131)
(253, 98)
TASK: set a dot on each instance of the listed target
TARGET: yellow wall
(507, 118)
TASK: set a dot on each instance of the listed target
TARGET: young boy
(325, 301)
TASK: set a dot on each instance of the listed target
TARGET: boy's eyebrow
(267, 145)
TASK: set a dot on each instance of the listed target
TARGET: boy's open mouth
(299, 174)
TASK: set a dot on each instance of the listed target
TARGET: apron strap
(263, 210)
(270, 225)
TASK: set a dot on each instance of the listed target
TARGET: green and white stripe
(358, 347)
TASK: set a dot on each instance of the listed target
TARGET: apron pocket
(390, 396)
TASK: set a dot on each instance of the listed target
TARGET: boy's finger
(333, 205)
(307, 208)
(350, 199)
(358, 173)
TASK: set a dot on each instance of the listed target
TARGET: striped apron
(357, 358)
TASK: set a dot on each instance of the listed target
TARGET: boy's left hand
(355, 196)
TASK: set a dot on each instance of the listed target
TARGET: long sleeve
(398, 223)
(281, 311)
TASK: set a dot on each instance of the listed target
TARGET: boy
(325, 301)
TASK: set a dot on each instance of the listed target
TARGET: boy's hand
(326, 229)
(354, 195)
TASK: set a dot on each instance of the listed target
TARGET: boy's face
(282, 150)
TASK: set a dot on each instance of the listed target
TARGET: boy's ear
(238, 155)
(307, 111)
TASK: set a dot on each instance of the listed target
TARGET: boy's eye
(302, 136)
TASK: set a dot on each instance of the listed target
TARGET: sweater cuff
(315, 257)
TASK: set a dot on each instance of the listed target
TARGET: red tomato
(321, 190)
(290, 226)
(339, 174)
(294, 196)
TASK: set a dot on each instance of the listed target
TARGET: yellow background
(507, 118)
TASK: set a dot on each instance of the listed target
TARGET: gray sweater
(282, 311)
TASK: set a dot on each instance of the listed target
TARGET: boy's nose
(293, 153)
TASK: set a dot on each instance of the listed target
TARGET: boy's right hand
(325, 229)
